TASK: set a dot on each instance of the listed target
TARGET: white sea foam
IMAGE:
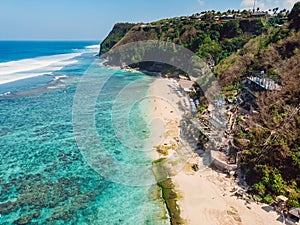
(5, 94)
(60, 77)
(96, 47)
(28, 68)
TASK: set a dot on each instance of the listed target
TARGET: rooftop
(265, 83)
(295, 212)
(186, 84)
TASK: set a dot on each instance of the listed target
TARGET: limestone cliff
(209, 39)
(118, 31)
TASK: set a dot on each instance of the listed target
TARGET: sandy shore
(207, 199)
(165, 113)
(205, 196)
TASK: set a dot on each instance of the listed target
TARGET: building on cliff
(258, 83)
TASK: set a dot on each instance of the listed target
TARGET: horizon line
(50, 40)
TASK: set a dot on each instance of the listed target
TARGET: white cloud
(268, 4)
(201, 2)
(289, 3)
(246, 4)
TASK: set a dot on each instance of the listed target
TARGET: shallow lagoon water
(44, 177)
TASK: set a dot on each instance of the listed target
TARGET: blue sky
(93, 19)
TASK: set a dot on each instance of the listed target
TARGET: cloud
(201, 2)
(250, 3)
(267, 4)
(289, 3)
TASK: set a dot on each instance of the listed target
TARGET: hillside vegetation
(118, 31)
(214, 40)
(267, 139)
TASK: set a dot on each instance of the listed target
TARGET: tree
(294, 16)
(275, 10)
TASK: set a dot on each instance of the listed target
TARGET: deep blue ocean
(45, 177)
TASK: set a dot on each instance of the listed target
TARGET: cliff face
(208, 39)
(140, 32)
(118, 31)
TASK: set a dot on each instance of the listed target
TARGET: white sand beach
(207, 199)
(205, 196)
(166, 111)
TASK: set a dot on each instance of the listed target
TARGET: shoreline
(167, 108)
(206, 195)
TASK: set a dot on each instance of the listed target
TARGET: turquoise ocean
(44, 177)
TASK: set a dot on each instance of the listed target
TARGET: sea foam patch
(27, 68)
(92, 47)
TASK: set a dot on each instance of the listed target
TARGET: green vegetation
(202, 138)
(170, 196)
(294, 17)
(119, 30)
(202, 108)
(214, 40)
(231, 92)
(269, 140)
(239, 120)
(263, 53)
